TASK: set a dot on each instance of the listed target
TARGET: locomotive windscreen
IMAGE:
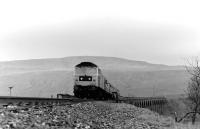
(85, 78)
(86, 64)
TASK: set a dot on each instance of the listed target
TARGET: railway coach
(89, 82)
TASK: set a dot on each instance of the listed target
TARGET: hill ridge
(55, 75)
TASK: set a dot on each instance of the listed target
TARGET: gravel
(86, 115)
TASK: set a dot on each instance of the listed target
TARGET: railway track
(152, 103)
(25, 101)
(28, 101)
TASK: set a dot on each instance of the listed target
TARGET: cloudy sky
(156, 31)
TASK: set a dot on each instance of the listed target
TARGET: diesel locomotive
(90, 83)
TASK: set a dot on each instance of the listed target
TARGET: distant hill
(46, 77)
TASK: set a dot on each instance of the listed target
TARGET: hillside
(46, 77)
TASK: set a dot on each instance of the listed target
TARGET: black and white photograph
(99, 64)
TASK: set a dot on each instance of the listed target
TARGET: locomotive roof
(86, 64)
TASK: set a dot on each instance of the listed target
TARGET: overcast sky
(156, 31)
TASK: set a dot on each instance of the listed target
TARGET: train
(90, 83)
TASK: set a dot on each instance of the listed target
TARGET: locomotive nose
(91, 83)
